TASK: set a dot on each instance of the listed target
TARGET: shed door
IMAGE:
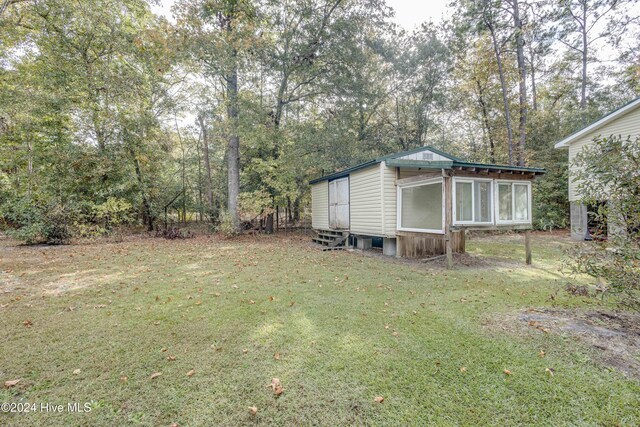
(339, 203)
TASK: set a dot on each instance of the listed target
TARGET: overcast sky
(409, 13)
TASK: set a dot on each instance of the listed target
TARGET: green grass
(348, 328)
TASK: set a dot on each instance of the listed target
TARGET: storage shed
(420, 202)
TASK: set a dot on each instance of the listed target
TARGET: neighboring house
(624, 122)
(419, 202)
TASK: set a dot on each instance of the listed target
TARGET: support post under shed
(527, 246)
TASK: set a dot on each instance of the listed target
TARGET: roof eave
(598, 123)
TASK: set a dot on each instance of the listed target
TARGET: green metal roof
(501, 167)
(393, 161)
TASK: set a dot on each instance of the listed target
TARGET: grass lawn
(346, 328)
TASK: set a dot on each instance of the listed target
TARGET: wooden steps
(331, 239)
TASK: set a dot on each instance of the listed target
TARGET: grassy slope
(336, 352)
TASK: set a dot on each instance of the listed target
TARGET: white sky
(409, 13)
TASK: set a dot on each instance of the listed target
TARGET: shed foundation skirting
(422, 245)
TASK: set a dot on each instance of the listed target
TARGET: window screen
(482, 191)
(422, 207)
(464, 201)
(521, 199)
(505, 206)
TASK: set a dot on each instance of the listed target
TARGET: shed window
(420, 207)
(505, 202)
(514, 202)
(483, 203)
(473, 201)
(521, 202)
(464, 201)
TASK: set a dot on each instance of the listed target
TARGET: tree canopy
(110, 113)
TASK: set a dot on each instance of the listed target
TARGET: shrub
(608, 177)
(225, 226)
(37, 222)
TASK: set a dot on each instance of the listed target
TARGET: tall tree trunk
(522, 86)
(147, 215)
(233, 149)
(208, 186)
(503, 84)
(534, 90)
(485, 120)
(583, 86)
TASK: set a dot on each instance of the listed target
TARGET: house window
(514, 202)
(420, 207)
(473, 201)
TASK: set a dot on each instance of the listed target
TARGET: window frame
(400, 187)
(496, 190)
(473, 201)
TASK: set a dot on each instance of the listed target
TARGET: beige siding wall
(408, 173)
(626, 125)
(366, 201)
(390, 194)
(320, 205)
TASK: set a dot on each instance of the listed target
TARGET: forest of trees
(110, 114)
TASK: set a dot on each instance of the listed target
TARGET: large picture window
(473, 201)
(420, 207)
(514, 202)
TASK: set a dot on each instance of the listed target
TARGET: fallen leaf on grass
(378, 399)
(155, 375)
(11, 383)
(171, 358)
(291, 303)
(271, 298)
(253, 410)
(76, 371)
(251, 301)
(245, 350)
(276, 356)
(542, 353)
(507, 372)
(124, 378)
(463, 369)
(191, 372)
(27, 323)
(276, 387)
(549, 371)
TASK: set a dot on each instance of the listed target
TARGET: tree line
(111, 114)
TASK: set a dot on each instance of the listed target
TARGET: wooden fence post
(448, 215)
(527, 246)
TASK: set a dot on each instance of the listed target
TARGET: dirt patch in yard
(613, 337)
